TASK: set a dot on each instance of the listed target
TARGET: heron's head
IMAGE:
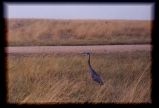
(86, 53)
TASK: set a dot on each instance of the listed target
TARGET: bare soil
(76, 49)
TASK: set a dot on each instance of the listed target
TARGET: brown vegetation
(77, 32)
(63, 78)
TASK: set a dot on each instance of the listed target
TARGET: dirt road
(76, 49)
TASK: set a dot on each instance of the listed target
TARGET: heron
(96, 77)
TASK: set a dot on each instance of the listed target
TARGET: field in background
(64, 78)
(77, 32)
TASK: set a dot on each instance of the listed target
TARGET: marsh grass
(64, 78)
(77, 32)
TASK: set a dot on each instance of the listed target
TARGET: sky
(81, 11)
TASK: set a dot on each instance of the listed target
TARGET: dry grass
(64, 78)
(77, 32)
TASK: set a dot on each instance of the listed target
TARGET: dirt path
(76, 49)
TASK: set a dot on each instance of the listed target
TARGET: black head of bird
(86, 53)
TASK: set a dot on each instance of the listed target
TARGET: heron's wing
(92, 71)
(97, 78)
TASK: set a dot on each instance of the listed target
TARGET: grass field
(77, 32)
(63, 78)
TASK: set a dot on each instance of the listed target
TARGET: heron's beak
(86, 53)
(83, 53)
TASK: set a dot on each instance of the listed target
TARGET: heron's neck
(89, 62)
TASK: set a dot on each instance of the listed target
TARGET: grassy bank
(64, 78)
(77, 32)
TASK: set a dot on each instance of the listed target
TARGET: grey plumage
(96, 77)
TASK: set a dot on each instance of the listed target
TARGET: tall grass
(63, 78)
(77, 32)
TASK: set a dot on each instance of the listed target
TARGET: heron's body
(93, 73)
(96, 77)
